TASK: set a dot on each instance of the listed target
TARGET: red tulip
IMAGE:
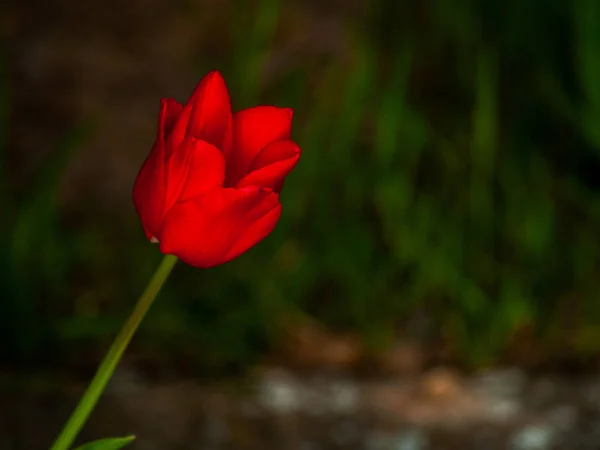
(209, 189)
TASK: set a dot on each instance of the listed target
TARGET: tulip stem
(110, 361)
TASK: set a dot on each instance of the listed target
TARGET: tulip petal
(149, 190)
(194, 168)
(253, 130)
(170, 111)
(150, 184)
(255, 232)
(220, 225)
(272, 165)
(207, 114)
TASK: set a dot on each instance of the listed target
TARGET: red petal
(220, 225)
(169, 112)
(207, 114)
(255, 232)
(149, 190)
(272, 165)
(193, 168)
(253, 129)
(150, 184)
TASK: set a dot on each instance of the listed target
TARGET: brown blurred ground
(111, 62)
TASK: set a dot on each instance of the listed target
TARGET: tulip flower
(207, 192)
(209, 189)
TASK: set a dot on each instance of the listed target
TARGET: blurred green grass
(450, 165)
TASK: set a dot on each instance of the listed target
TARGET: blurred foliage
(450, 166)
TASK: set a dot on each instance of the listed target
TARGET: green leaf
(107, 444)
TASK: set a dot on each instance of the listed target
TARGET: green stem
(106, 369)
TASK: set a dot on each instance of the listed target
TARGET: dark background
(447, 199)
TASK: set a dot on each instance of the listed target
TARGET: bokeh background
(446, 209)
